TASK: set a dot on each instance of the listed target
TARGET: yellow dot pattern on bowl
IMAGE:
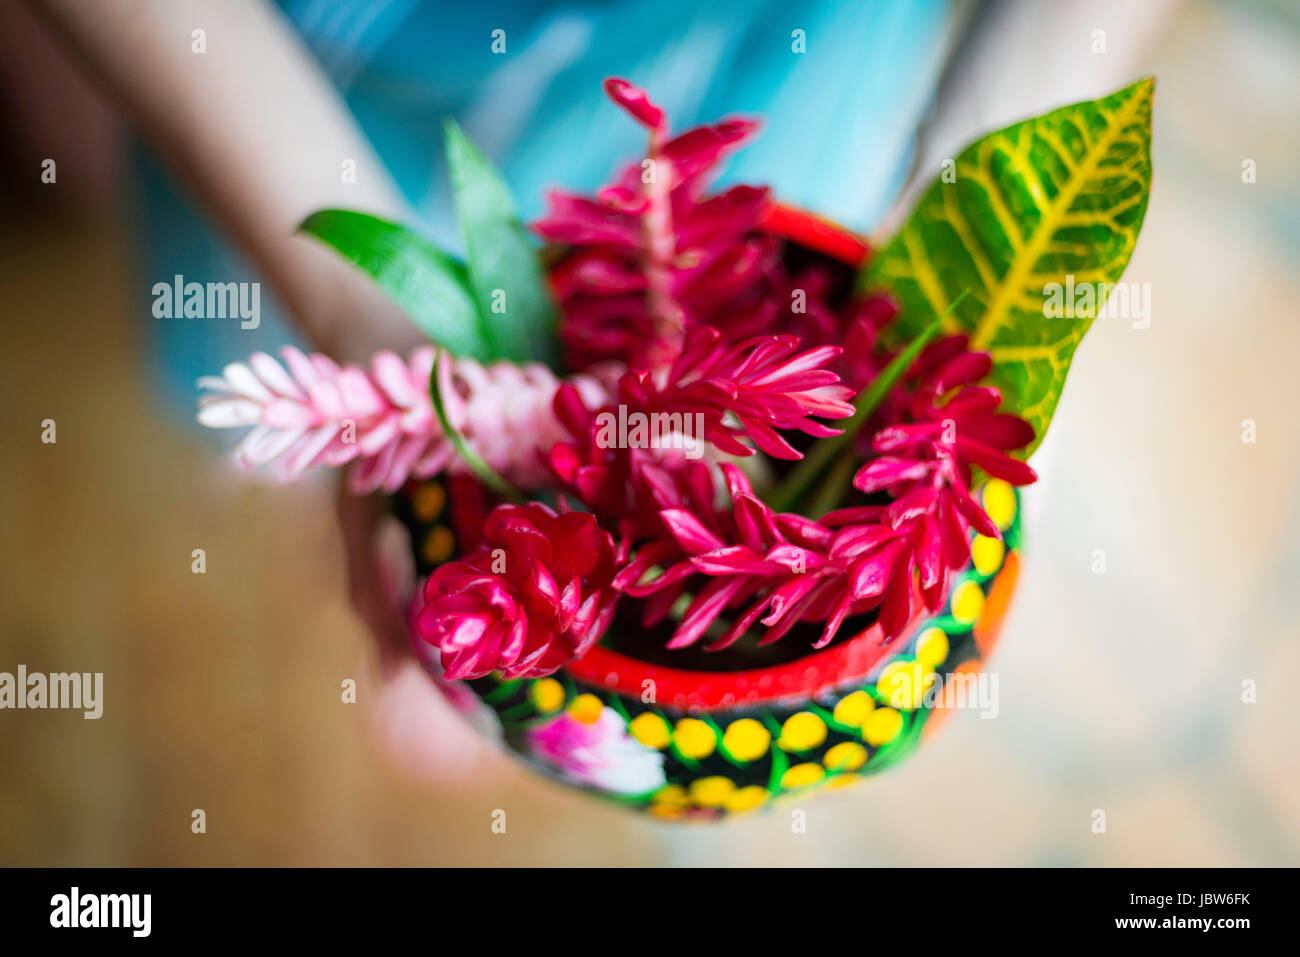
(903, 684)
(667, 811)
(438, 545)
(802, 775)
(671, 794)
(547, 695)
(712, 791)
(429, 501)
(651, 730)
(845, 756)
(694, 738)
(987, 554)
(932, 647)
(745, 799)
(967, 602)
(669, 801)
(853, 709)
(586, 708)
(1000, 503)
(882, 727)
(746, 739)
(754, 748)
(802, 731)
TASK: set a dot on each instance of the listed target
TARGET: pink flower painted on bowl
(599, 753)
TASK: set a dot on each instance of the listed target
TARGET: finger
(421, 731)
(417, 727)
(373, 585)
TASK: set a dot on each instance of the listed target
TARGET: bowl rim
(692, 690)
(815, 232)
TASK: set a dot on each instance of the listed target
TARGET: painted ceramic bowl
(691, 734)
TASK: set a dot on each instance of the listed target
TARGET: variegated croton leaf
(1060, 195)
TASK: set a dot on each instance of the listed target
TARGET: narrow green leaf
(432, 287)
(505, 273)
(1062, 194)
(489, 476)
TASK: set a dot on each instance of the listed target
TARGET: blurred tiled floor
(1119, 691)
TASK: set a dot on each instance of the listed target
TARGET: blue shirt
(839, 118)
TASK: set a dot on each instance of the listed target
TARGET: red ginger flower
(534, 595)
(625, 487)
(753, 389)
(761, 382)
(629, 489)
(865, 320)
(926, 465)
(649, 257)
(955, 425)
(788, 567)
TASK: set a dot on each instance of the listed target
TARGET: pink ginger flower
(535, 594)
(650, 256)
(316, 412)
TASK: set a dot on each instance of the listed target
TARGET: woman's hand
(258, 134)
(416, 722)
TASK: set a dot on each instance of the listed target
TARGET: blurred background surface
(1120, 691)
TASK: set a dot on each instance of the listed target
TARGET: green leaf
(486, 473)
(1061, 194)
(505, 272)
(432, 287)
